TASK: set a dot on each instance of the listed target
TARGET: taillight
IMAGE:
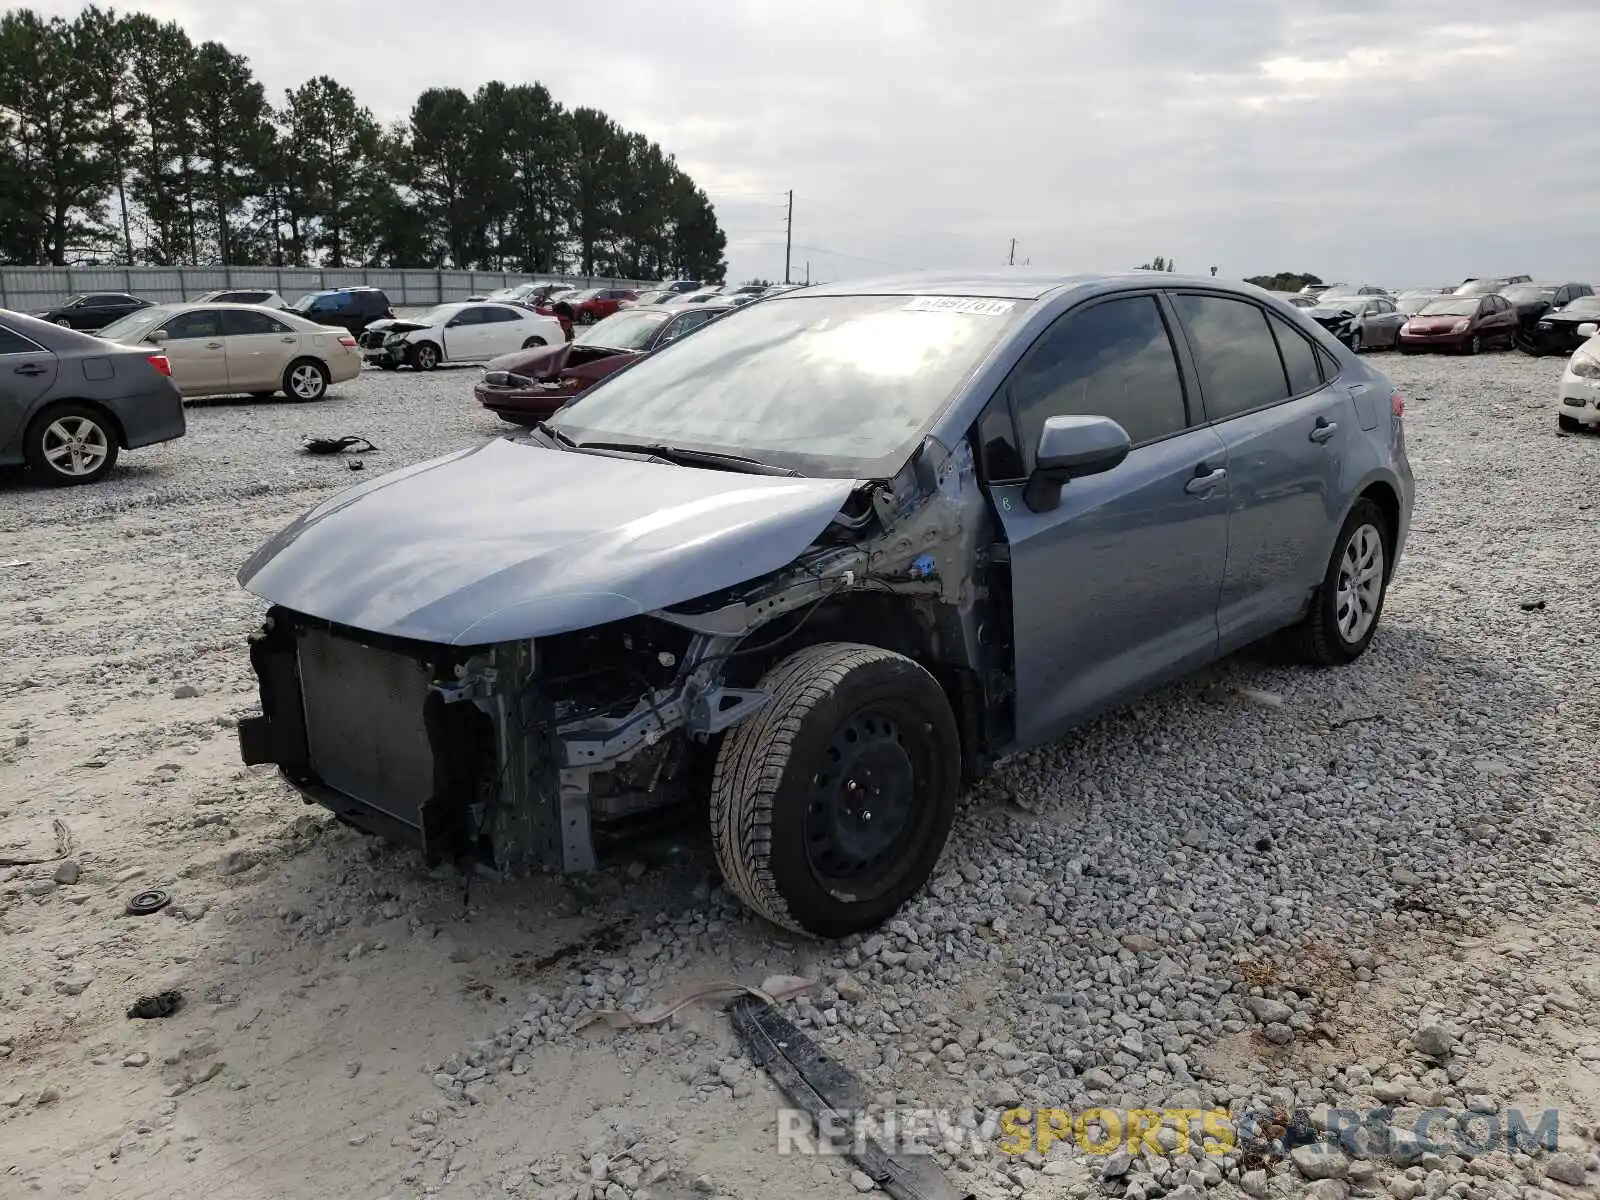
(348, 342)
(161, 363)
(1397, 403)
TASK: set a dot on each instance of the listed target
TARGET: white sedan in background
(1579, 403)
(231, 349)
(457, 333)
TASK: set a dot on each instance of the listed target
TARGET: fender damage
(491, 687)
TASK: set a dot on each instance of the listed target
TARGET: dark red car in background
(592, 304)
(527, 386)
(1464, 324)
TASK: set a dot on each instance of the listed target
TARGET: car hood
(510, 540)
(395, 325)
(542, 360)
(1433, 324)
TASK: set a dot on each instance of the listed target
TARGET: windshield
(135, 325)
(840, 386)
(1479, 287)
(1583, 304)
(1415, 304)
(628, 330)
(1450, 307)
(589, 294)
(305, 302)
(1528, 295)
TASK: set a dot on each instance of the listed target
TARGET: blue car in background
(817, 567)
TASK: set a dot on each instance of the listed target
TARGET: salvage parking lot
(355, 1024)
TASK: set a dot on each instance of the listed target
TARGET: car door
(258, 349)
(196, 351)
(1115, 589)
(503, 330)
(27, 372)
(1266, 390)
(1389, 320)
(463, 335)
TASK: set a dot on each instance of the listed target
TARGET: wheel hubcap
(861, 803)
(1360, 583)
(307, 382)
(75, 445)
(425, 358)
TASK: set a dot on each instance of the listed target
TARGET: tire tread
(754, 757)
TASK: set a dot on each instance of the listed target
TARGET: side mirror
(1068, 448)
(1588, 329)
(157, 337)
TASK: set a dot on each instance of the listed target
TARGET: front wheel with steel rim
(64, 323)
(534, 343)
(1475, 346)
(831, 804)
(70, 444)
(424, 357)
(1358, 343)
(305, 380)
(1345, 610)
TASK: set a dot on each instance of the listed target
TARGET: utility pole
(788, 235)
(808, 272)
(1013, 260)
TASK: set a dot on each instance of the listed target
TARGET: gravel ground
(1261, 889)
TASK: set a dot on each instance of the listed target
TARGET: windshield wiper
(687, 457)
(555, 435)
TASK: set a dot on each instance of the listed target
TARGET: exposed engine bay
(538, 753)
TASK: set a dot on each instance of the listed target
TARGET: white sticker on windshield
(960, 304)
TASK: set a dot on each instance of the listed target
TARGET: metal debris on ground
(834, 1098)
(149, 1008)
(147, 902)
(28, 856)
(1266, 699)
(773, 990)
(337, 445)
(1533, 605)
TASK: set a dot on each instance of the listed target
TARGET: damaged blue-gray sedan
(814, 569)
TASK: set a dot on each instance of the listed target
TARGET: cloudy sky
(1376, 140)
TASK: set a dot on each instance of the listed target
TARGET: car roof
(1010, 285)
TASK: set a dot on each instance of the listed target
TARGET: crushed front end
(515, 756)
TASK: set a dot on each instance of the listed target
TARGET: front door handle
(290, 340)
(30, 369)
(1205, 480)
(1323, 430)
(213, 345)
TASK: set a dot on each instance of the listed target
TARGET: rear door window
(1114, 359)
(1235, 353)
(243, 322)
(15, 343)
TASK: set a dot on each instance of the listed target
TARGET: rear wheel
(1344, 612)
(831, 805)
(70, 444)
(305, 379)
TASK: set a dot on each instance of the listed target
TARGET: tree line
(121, 140)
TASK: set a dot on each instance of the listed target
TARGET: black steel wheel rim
(860, 816)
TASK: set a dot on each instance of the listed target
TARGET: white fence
(26, 288)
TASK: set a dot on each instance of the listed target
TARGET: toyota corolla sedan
(816, 567)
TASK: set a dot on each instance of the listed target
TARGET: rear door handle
(1323, 430)
(213, 345)
(30, 369)
(1206, 479)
